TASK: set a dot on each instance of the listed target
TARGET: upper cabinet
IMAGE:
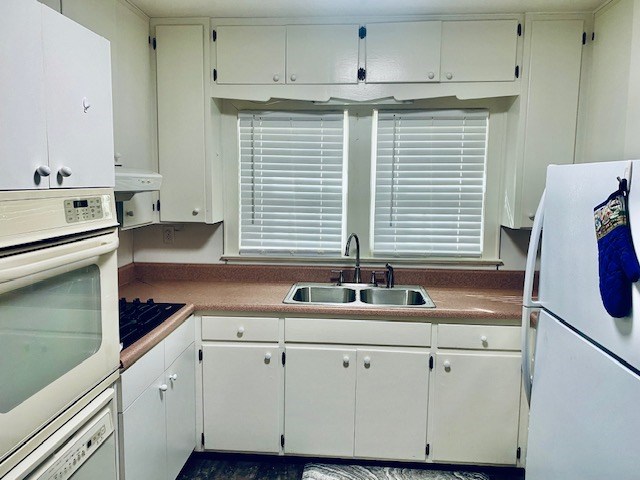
(251, 54)
(403, 52)
(479, 51)
(322, 54)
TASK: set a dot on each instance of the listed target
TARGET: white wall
(125, 250)
(193, 243)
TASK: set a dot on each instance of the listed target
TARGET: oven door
(58, 331)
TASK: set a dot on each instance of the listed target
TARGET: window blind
(429, 183)
(292, 182)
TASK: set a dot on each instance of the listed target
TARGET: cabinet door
(23, 135)
(181, 141)
(391, 404)
(144, 434)
(319, 54)
(251, 54)
(479, 51)
(242, 397)
(476, 408)
(140, 210)
(320, 398)
(77, 67)
(403, 52)
(181, 411)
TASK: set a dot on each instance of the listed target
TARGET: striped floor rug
(325, 471)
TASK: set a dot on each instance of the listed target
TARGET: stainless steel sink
(360, 295)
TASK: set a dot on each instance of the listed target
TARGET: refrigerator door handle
(528, 302)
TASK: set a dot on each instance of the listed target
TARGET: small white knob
(483, 339)
(43, 170)
(293, 77)
(195, 212)
(65, 171)
(129, 213)
(449, 75)
(267, 357)
(163, 387)
(117, 156)
(431, 75)
(173, 377)
(240, 331)
(367, 362)
(447, 365)
(532, 216)
(345, 360)
(85, 104)
(276, 78)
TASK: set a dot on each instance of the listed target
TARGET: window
(292, 182)
(428, 183)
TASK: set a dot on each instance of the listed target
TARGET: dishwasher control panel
(83, 209)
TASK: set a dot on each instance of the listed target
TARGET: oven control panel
(83, 209)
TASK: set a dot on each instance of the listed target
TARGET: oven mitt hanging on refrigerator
(617, 261)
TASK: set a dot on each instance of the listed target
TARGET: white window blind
(292, 182)
(429, 182)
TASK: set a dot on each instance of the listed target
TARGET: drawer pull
(267, 357)
(447, 365)
(484, 339)
(240, 331)
(345, 361)
(367, 362)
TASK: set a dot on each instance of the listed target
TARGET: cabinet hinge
(362, 74)
(426, 450)
(214, 35)
(149, 39)
(518, 453)
(517, 71)
(154, 43)
(593, 36)
(584, 38)
(362, 32)
(431, 362)
(202, 439)
(200, 358)
(519, 29)
(284, 358)
(215, 74)
(158, 205)
(282, 441)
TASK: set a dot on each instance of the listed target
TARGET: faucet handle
(374, 278)
(340, 276)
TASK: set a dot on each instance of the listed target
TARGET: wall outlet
(168, 235)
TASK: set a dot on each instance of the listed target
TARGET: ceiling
(334, 8)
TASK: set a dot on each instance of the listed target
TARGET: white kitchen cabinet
(320, 398)
(546, 116)
(403, 52)
(181, 122)
(322, 54)
(23, 135)
(475, 407)
(391, 404)
(242, 396)
(79, 113)
(140, 210)
(478, 50)
(250, 54)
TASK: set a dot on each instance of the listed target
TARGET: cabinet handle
(267, 357)
(173, 377)
(449, 75)
(65, 171)
(447, 365)
(293, 77)
(129, 213)
(431, 75)
(367, 362)
(345, 361)
(163, 387)
(240, 331)
(484, 339)
(276, 78)
(195, 212)
(531, 216)
(85, 104)
(43, 170)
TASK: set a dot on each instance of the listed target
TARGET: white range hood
(130, 181)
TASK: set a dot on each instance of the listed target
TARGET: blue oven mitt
(617, 261)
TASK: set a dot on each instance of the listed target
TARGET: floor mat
(325, 471)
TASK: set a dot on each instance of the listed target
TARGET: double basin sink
(359, 294)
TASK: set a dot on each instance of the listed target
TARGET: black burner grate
(139, 318)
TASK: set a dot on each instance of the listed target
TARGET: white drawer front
(178, 341)
(141, 374)
(479, 337)
(240, 329)
(357, 332)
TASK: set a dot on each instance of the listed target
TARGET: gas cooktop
(139, 318)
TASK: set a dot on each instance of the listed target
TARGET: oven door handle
(13, 273)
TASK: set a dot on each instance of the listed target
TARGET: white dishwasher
(84, 448)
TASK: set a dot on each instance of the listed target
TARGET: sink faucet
(356, 275)
(391, 281)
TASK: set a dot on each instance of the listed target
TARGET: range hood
(130, 181)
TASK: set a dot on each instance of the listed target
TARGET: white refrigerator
(584, 419)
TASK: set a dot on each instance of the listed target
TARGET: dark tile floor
(207, 466)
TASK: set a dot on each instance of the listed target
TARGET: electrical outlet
(168, 235)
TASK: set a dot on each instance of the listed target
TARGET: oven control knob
(43, 170)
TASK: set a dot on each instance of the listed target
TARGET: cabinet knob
(293, 77)
(484, 339)
(345, 360)
(173, 377)
(431, 75)
(195, 212)
(447, 365)
(129, 213)
(85, 104)
(240, 331)
(43, 170)
(449, 75)
(532, 216)
(367, 362)
(267, 357)
(276, 78)
(163, 387)
(65, 171)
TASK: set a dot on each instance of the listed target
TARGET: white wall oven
(58, 310)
